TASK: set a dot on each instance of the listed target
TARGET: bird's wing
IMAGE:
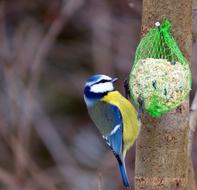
(108, 120)
(129, 118)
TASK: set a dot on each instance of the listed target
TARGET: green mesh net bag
(160, 75)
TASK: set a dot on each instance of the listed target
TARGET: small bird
(115, 117)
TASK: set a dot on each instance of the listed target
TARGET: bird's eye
(103, 81)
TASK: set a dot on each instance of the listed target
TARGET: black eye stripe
(102, 81)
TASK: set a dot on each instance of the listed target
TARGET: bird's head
(96, 87)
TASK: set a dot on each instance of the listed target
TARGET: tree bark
(162, 159)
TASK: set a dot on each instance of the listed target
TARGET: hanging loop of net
(161, 74)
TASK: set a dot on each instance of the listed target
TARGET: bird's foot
(126, 87)
(141, 107)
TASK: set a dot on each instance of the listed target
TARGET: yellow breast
(129, 116)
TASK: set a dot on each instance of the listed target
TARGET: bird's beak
(114, 80)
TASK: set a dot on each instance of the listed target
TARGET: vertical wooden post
(162, 161)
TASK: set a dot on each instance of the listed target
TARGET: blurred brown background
(47, 50)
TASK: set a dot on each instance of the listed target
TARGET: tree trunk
(162, 160)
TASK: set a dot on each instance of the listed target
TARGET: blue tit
(115, 117)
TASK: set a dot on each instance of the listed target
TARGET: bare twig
(194, 21)
(99, 181)
(101, 41)
(67, 11)
(26, 163)
(29, 165)
(192, 122)
(68, 8)
(8, 179)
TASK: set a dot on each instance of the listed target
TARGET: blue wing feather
(115, 142)
(114, 138)
(110, 125)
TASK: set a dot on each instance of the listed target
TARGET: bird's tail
(123, 173)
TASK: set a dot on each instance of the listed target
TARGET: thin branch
(46, 44)
(43, 180)
(192, 122)
(8, 179)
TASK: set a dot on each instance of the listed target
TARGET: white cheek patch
(102, 87)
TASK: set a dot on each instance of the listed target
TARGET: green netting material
(161, 74)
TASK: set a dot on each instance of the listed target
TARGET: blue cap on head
(96, 78)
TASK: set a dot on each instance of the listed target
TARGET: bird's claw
(126, 87)
(141, 106)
